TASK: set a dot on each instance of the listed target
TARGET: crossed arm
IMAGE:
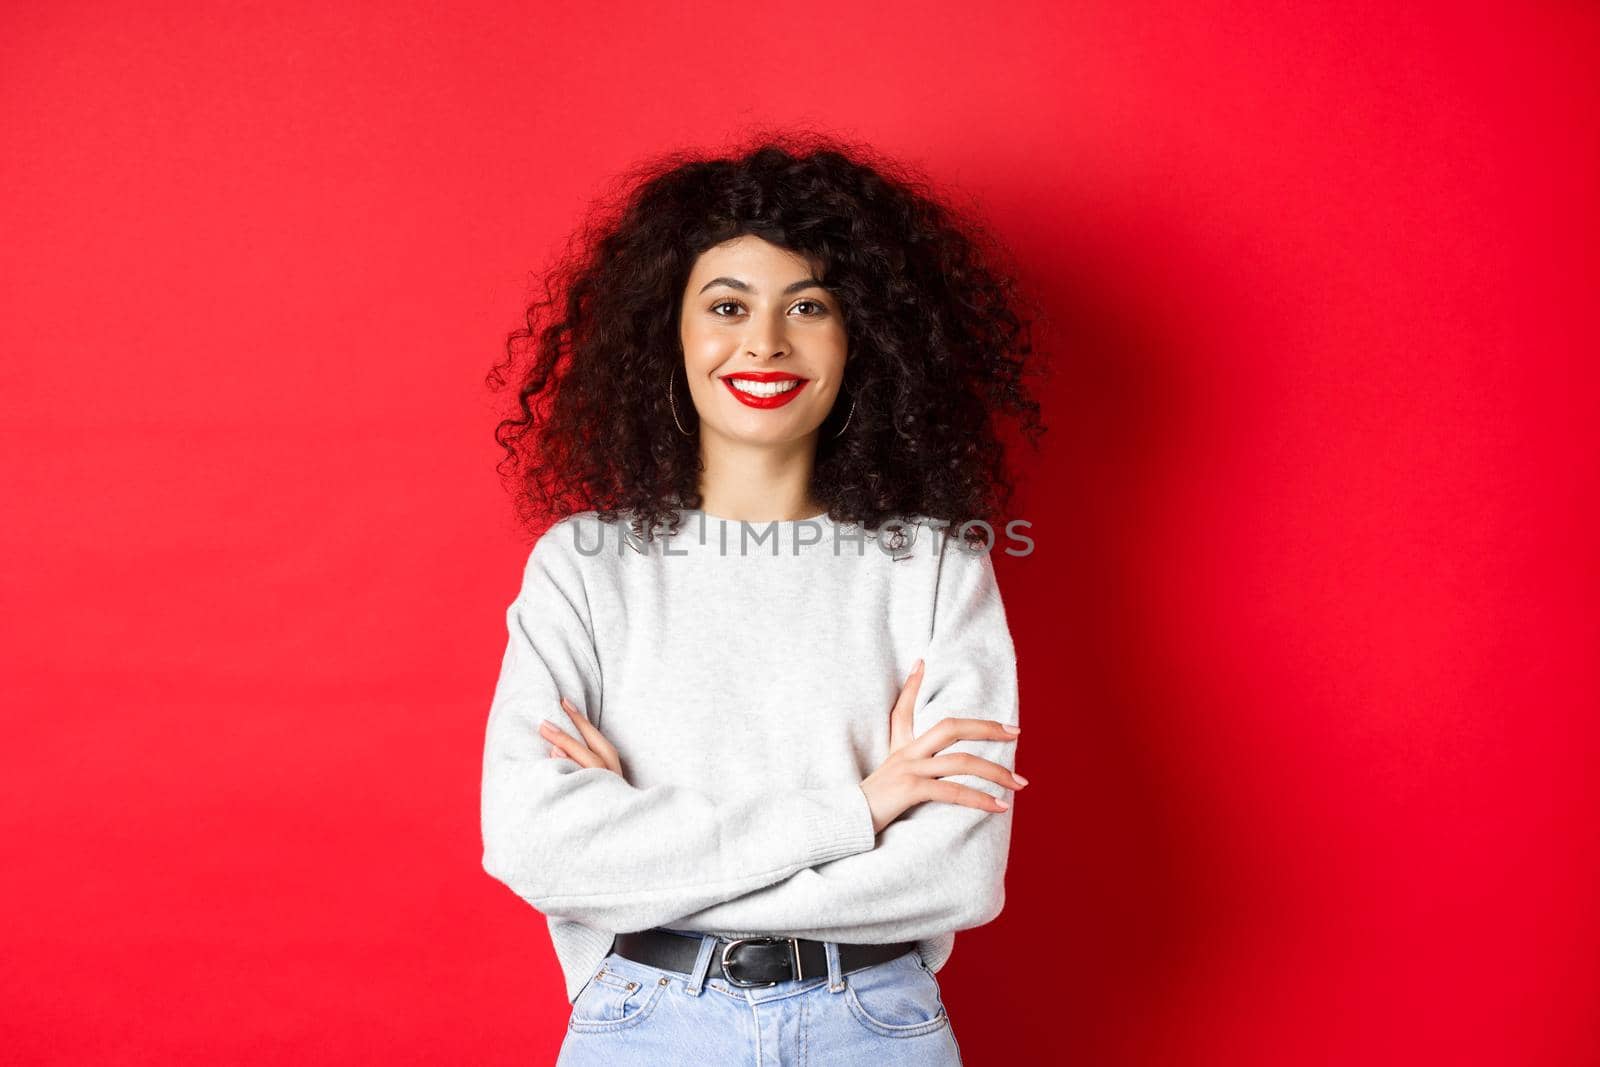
(579, 842)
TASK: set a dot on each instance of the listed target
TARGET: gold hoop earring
(673, 403)
(847, 417)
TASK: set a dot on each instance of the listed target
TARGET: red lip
(766, 402)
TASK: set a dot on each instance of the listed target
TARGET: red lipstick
(776, 400)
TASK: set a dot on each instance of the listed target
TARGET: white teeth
(744, 385)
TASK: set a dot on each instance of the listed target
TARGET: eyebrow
(792, 287)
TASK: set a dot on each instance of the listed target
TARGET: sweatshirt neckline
(783, 524)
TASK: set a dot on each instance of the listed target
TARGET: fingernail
(1002, 804)
(1019, 778)
(918, 667)
(1013, 729)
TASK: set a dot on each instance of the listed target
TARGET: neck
(758, 483)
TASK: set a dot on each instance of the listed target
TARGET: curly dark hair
(939, 343)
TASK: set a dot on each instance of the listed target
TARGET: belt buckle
(794, 952)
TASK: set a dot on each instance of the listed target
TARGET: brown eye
(822, 309)
(723, 303)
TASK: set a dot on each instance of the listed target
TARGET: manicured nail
(1019, 778)
(1013, 729)
(917, 668)
(1003, 805)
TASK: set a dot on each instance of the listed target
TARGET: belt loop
(702, 963)
(835, 971)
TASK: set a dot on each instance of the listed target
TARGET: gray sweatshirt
(745, 673)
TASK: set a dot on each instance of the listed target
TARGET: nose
(766, 340)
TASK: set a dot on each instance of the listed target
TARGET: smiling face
(764, 343)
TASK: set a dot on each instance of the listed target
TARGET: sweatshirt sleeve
(940, 867)
(580, 842)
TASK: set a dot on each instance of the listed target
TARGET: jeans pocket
(613, 1000)
(896, 998)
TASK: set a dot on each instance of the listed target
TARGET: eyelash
(817, 303)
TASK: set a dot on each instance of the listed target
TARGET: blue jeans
(886, 1015)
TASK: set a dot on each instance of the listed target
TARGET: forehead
(750, 255)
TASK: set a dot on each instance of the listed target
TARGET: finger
(949, 730)
(937, 789)
(591, 734)
(967, 763)
(576, 751)
(902, 714)
(597, 742)
(556, 753)
(582, 756)
(556, 735)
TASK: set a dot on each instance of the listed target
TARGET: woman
(749, 751)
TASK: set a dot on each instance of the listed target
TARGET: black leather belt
(749, 962)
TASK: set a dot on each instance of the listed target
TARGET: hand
(592, 751)
(912, 772)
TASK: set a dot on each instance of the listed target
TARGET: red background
(1306, 645)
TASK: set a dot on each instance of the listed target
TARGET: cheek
(838, 354)
(702, 348)
(839, 341)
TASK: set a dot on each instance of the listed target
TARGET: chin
(768, 433)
